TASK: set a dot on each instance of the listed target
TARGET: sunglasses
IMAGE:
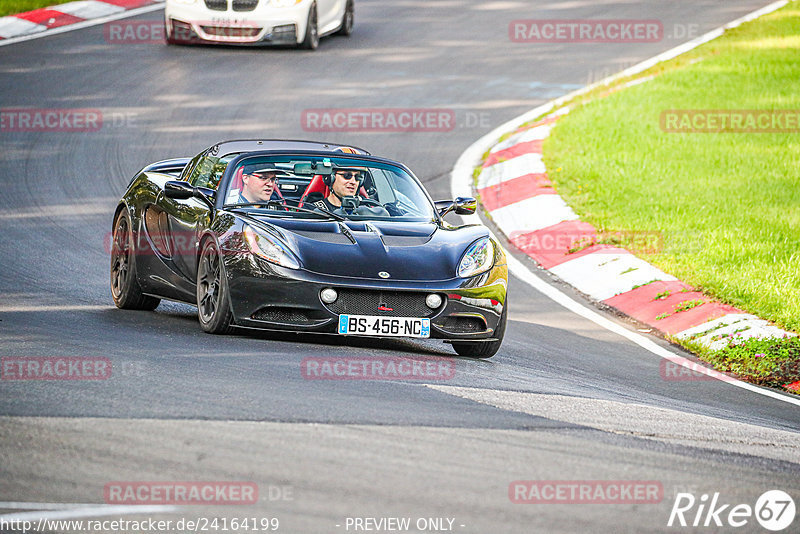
(350, 175)
(273, 179)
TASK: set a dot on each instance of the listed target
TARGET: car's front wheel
(125, 289)
(213, 301)
(311, 40)
(169, 35)
(348, 19)
(484, 349)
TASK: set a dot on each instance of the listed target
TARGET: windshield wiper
(274, 203)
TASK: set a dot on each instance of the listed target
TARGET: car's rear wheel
(213, 301)
(348, 19)
(311, 41)
(125, 288)
(484, 349)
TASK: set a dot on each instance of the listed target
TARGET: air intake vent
(383, 303)
(244, 5)
(462, 325)
(217, 5)
(288, 315)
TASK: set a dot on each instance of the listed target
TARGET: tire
(311, 40)
(348, 19)
(125, 288)
(169, 36)
(485, 349)
(213, 298)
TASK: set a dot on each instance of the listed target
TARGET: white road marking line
(76, 510)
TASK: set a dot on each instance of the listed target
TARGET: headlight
(284, 3)
(478, 258)
(185, 2)
(270, 249)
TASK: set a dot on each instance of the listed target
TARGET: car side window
(187, 171)
(209, 170)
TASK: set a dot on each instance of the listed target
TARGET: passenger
(259, 183)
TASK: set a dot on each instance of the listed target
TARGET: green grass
(10, 7)
(688, 305)
(768, 362)
(726, 204)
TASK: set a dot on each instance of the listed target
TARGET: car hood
(418, 251)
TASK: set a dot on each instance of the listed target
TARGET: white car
(256, 22)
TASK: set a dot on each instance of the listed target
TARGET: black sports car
(307, 237)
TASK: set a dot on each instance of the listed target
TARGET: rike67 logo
(774, 510)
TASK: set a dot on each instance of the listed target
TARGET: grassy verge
(727, 205)
(10, 7)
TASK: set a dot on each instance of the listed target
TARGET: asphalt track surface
(564, 399)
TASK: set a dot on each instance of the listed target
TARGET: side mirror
(461, 206)
(465, 205)
(178, 190)
(181, 190)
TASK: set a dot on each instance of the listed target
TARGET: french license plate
(371, 325)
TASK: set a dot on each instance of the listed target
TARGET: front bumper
(270, 297)
(195, 23)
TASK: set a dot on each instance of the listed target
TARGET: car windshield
(316, 187)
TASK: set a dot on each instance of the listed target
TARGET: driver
(259, 182)
(344, 182)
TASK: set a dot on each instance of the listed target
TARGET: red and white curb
(520, 199)
(72, 15)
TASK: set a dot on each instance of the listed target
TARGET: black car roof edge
(333, 146)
